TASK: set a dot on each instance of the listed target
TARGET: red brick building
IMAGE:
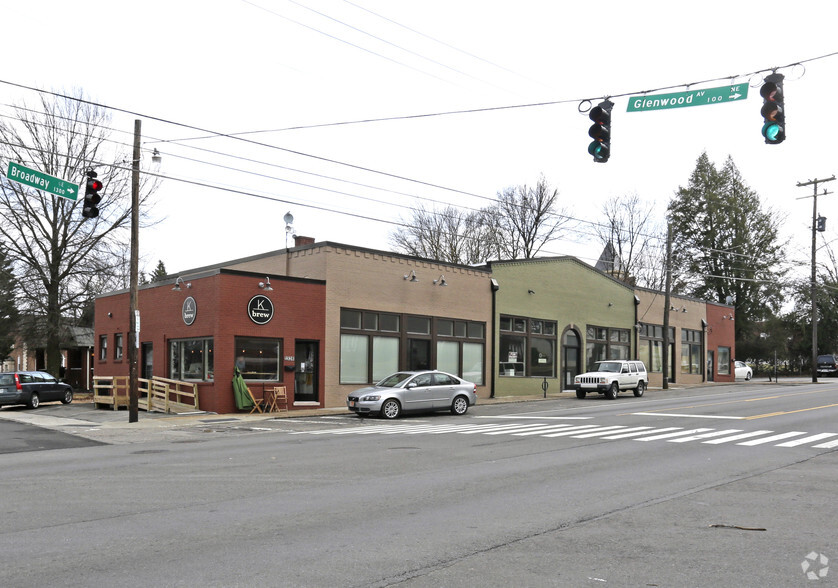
(197, 329)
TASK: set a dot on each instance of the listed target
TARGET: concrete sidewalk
(108, 426)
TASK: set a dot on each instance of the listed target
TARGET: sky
(480, 96)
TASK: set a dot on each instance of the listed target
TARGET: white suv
(612, 376)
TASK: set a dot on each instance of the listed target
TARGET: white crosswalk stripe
(553, 430)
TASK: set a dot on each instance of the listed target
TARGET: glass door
(306, 362)
(570, 359)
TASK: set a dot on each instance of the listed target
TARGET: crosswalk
(553, 430)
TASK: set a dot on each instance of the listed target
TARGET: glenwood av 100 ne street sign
(690, 98)
(42, 181)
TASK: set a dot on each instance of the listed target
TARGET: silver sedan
(427, 390)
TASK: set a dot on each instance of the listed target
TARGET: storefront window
(691, 345)
(448, 356)
(445, 344)
(385, 357)
(191, 359)
(259, 359)
(532, 353)
(473, 362)
(354, 351)
(606, 343)
(724, 360)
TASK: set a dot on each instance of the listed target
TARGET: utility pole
(666, 304)
(133, 317)
(813, 285)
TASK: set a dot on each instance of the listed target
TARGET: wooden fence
(157, 394)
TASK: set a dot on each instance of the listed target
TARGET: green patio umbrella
(243, 399)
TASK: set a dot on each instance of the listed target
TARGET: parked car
(827, 365)
(32, 388)
(610, 377)
(742, 370)
(427, 390)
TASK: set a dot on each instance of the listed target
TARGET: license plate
(351, 404)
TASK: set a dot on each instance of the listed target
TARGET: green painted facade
(567, 291)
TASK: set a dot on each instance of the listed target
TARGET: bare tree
(527, 219)
(62, 260)
(451, 234)
(518, 226)
(636, 240)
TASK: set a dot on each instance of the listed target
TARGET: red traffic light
(94, 185)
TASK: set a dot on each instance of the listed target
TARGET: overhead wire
(395, 176)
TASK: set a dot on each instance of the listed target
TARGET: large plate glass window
(603, 343)
(527, 347)
(376, 344)
(259, 358)
(191, 359)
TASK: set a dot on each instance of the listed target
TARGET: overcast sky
(233, 66)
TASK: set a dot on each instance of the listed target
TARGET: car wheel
(391, 409)
(613, 391)
(641, 388)
(34, 400)
(747, 376)
(68, 397)
(581, 394)
(459, 406)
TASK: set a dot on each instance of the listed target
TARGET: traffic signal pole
(813, 285)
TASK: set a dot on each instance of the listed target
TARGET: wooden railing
(158, 394)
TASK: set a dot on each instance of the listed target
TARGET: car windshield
(609, 366)
(393, 381)
(826, 358)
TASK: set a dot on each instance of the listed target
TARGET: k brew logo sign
(260, 309)
(189, 310)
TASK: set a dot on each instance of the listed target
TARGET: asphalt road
(726, 486)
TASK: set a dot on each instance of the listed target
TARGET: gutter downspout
(495, 287)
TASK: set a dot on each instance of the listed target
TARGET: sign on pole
(689, 98)
(41, 181)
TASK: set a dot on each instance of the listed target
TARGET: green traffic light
(773, 133)
(599, 150)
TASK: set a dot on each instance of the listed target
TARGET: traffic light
(821, 224)
(600, 131)
(91, 196)
(773, 109)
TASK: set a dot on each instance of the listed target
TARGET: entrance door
(147, 361)
(570, 359)
(306, 362)
(711, 363)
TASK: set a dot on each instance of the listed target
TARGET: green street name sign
(690, 98)
(42, 181)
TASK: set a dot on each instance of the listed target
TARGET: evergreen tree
(726, 246)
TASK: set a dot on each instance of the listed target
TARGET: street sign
(41, 181)
(689, 98)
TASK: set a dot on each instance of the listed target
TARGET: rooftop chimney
(299, 241)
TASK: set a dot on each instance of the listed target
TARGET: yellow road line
(771, 414)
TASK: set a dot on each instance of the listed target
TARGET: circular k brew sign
(189, 310)
(260, 309)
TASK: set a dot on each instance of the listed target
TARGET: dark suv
(32, 388)
(827, 365)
